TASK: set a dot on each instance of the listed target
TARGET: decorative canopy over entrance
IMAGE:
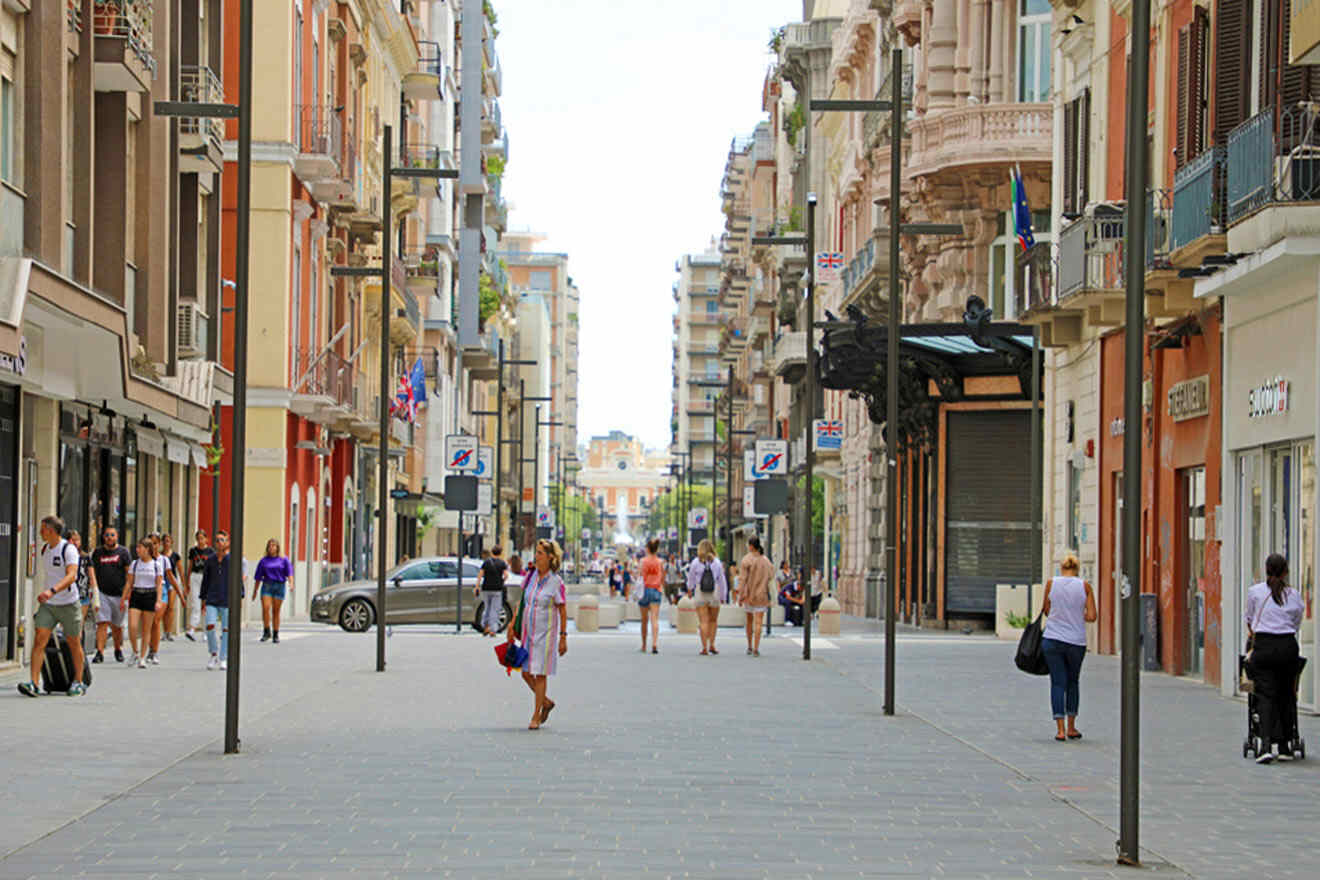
(936, 362)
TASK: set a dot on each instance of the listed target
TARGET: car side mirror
(398, 581)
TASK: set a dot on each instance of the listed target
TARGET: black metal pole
(382, 488)
(499, 443)
(536, 462)
(808, 416)
(687, 507)
(238, 441)
(1134, 342)
(891, 373)
(217, 413)
(713, 515)
(1036, 476)
(522, 454)
(728, 477)
(458, 616)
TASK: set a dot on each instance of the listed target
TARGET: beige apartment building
(110, 276)
(698, 323)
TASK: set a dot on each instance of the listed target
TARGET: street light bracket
(864, 106)
(195, 110)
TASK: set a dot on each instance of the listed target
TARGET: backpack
(707, 580)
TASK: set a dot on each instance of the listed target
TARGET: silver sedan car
(418, 591)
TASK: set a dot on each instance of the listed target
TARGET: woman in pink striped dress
(544, 628)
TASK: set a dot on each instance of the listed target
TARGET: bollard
(687, 615)
(830, 616)
(588, 613)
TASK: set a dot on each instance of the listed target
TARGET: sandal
(545, 711)
(1060, 738)
(1076, 734)
(712, 650)
(704, 652)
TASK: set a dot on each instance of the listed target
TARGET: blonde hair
(552, 552)
(705, 550)
(1070, 562)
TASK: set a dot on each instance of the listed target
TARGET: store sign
(828, 434)
(15, 363)
(1190, 399)
(1117, 428)
(1270, 399)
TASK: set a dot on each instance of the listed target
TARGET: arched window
(294, 521)
(309, 526)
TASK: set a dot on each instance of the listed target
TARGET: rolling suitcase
(57, 671)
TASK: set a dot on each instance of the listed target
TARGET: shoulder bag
(1030, 657)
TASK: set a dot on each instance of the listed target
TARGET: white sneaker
(133, 660)
(1267, 758)
(153, 659)
(213, 663)
(142, 663)
(224, 664)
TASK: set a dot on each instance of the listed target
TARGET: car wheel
(356, 616)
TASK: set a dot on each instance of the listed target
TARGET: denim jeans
(493, 604)
(216, 616)
(1065, 663)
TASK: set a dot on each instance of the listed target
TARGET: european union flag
(1021, 211)
(418, 380)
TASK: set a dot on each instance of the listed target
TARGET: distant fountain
(621, 535)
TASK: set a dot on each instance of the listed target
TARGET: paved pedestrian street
(673, 765)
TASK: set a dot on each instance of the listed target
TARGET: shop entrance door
(1192, 543)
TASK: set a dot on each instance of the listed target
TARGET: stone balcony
(980, 136)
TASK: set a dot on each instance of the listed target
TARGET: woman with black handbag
(1069, 606)
(1273, 614)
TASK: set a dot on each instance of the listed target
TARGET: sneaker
(29, 688)
(142, 663)
(119, 655)
(169, 637)
(213, 663)
(132, 661)
(189, 636)
(99, 658)
(1267, 758)
(265, 635)
(1283, 756)
(275, 638)
(153, 659)
(77, 689)
(224, 664)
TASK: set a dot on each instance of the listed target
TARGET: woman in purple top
(275, 578)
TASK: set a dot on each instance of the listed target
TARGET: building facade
(109, 220)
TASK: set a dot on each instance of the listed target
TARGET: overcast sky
(619, 126)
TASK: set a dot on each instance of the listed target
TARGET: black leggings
(1274, 672)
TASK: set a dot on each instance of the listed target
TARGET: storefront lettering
(1270, 399)
(15, 363)
(1190, 399)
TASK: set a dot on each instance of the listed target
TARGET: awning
(150, 442)
(199, 456)
(178, 450)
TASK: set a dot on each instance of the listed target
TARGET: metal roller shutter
(988, 509)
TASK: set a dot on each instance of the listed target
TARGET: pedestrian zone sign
(750, 470)
(485, 462)
(771, 458)
(828, 434)
(749, 503)
(697, 518)
(828, 265)
(461, 452)
(545, 517)
(586, 534)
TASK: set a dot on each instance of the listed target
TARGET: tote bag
(1030, 657)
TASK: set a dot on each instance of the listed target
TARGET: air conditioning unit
(191, 330)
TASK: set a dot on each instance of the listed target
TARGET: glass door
(1302, 565)
(1192, 541)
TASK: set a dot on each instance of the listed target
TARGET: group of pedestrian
(139, 591)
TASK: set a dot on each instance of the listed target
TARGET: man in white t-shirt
(57, 604)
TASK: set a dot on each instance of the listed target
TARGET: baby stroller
(1252, 745)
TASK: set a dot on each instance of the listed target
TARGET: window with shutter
(1297, 82)
(1069, 157)
(1083, 148)
(1191, 88)
(1232, 70)
(1181, 146)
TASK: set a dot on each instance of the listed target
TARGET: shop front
(1270, 422)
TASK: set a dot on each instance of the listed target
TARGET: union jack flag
(404, 404)
(832, 429)
(829, 260)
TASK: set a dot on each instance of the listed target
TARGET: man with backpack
(709, 588)
(57, 605)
